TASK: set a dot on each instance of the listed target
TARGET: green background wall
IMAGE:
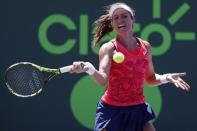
(69, 101)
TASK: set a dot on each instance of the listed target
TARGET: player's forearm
(99, 76)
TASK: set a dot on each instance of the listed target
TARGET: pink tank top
(126, 80)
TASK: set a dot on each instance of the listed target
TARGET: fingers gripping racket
(26, 79)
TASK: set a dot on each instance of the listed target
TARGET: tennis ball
(118, 57)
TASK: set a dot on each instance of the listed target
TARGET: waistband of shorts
(112, 106)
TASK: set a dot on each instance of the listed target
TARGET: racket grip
(66, 69)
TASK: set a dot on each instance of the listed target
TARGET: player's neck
(128, 41)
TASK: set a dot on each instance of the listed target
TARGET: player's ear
(110, 25)
(132, 17)
(134, 21)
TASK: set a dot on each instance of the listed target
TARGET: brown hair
(103, 23)
(103, 27)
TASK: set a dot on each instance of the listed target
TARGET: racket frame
(41, 69)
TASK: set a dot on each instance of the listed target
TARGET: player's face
(122, 21)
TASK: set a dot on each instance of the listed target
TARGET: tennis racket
(26, 79)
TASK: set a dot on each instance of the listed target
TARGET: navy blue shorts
(131, 118)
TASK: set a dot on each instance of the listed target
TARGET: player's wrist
(91, 69)
(164, 78)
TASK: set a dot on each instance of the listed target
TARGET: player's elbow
(102, 83)
(101, 79)
(150, 80)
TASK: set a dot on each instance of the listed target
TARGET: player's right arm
(105, 57)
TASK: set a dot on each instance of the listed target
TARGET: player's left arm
(153, 78)
(150, 72)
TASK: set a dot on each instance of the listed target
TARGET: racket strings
(25, 80)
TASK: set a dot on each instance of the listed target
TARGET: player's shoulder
(107, 47)
(146, 43)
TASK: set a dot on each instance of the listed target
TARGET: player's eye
(115, 18)
(124, 16)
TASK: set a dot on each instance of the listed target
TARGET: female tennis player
(123, 106)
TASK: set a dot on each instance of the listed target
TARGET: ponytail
(103, 27)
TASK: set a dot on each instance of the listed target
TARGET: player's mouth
(121, 26)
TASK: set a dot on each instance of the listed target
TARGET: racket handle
(66, 69)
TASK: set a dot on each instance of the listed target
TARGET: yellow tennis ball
(118, 57)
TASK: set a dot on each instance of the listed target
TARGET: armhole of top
(143, 45)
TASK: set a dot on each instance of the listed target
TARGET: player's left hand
(176, 79)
